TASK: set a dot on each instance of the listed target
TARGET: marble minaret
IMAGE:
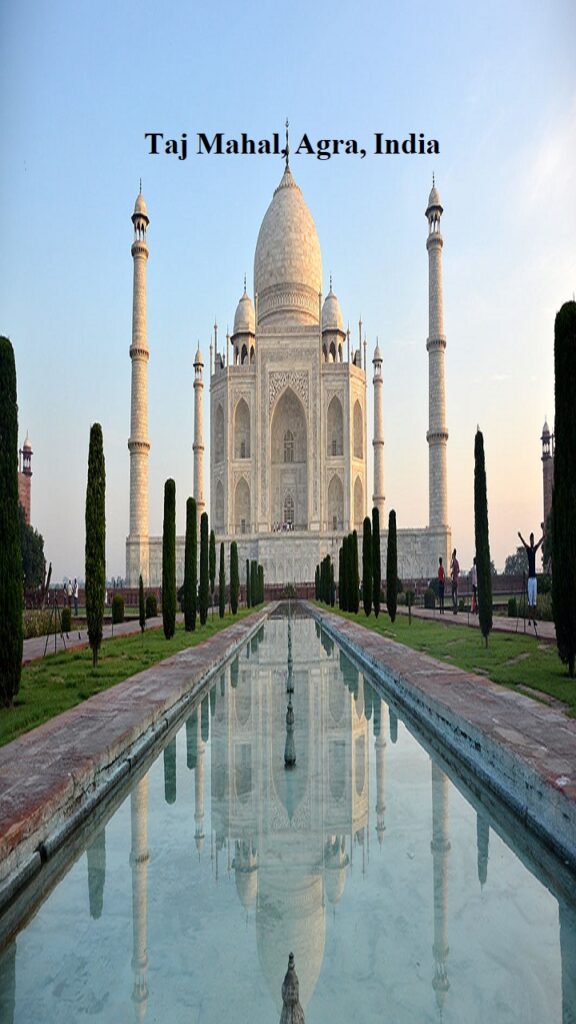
(378, 440)
(437, 435)
(440, 848)
(137, 549)
(198, 446)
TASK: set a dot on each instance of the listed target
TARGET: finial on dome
(433, 181)
(287, 150)
(140, 186)
(244, 283)
(330, 282)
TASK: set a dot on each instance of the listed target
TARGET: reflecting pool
(402, 899)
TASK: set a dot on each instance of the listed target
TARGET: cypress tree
(332, 585)
(95, 553)
(248, 594)
(316, 582)
(340, 575)
(234, 578)
(222, 584)
(355, 574)
(212, 566)
(481, 539)
(376, 565)
(141, 605)
(261, 583)
(346, 573)
(203, 592)
(564, 496)
(11, 594)
(367, 566)
(254, 582)
(190, 567)
(169, 560)
(392, 567)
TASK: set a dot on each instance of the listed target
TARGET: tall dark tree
(355, 574)
(169, 560)
(564, 496)
(317, 583)
(95, 552)
(254, 582)
(248, 594)
(212, 565)
(190, 566)
(367, 566)
(392, 567)
(376, 565)
(332, 585)
(10, 552)
(141, 605)
(261, 583)
(346, 573)
(222, 584)
(204, 582)
(340, 575)
(482, 539)
(234, 578)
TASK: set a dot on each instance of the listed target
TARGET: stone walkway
(500, 623)
(52, 776)
(522, 749)
(76, 639)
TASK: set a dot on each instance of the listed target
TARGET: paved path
(500, 623)
(76, 639)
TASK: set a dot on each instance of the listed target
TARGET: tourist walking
(454, 574)
(75, 596)
(474, 582)
(441, 584)
(69, 593)
(531, 550)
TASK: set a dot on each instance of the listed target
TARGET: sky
(81, 84)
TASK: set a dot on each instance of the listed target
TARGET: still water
(400, 900)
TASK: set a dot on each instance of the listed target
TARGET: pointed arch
(219, 508)
(242, 507)
(335, 504)
(358, 503)
(242, 430)
(358, 431)
(289, 459)
(219, 434)
(335, 428)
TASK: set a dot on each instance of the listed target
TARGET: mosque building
(289, 437)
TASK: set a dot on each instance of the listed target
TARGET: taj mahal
(289, 438)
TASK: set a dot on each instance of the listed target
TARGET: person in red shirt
(441, 582)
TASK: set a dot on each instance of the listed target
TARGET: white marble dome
(288, 261)
(140, 206)
(434, 197)
(332, 314)
(244, 317)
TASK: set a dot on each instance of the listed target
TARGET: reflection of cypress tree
(170, 772)
(234, 674)
(393, 725)
(205, 719)
(8, 984)
(191, 743)
(96, 857)
(368, 695)
(213, 701)
(377, 716)
(327, 643)
(482, 839)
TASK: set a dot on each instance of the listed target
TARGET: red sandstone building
(25, 477)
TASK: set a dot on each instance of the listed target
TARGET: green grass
(514, 661)
(60, 681)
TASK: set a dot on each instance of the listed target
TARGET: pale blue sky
(82, 83)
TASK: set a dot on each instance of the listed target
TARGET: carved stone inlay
(280, 379)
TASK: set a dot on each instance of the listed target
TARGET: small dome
(198, 361)
(332, 314)
(140, 206)
(27, 444)
(247, 886)
(434, 199)
(545, 430)
(245, 317)
(377, 354)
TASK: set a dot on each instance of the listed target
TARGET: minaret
(199, 786)
(547, 468)
(138, 443)
(378, 442)
(437, 435)
(198, 446)
(139, 863)
(440, 848)
(380, 747)
(25, 478)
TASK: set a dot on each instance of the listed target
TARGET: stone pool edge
(56, 774)
(534, 778)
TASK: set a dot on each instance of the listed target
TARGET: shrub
(117, 609)
(410, 597)
(512, 608)
(289, 590)
(544, 583)
(37, 623)
(429, 598)
(401, 599)
(544, 608)
(434, 586)
(66, 619)
(461, 606)
(151, 606)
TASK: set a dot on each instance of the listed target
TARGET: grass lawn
(516, 661)
(60, 681)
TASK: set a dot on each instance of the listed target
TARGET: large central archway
(289, 463)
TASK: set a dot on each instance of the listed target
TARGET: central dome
(288, 262)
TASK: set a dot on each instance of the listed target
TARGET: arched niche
(335, 428)
(358, 503)
(242, 507)
(358, 431)
(219, 435)
(289, 460)
(242, 430)
(219, 507)
(335, 504)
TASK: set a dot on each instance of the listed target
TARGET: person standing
(474, 582)
(454, 574)
(75, 595)
(441, 584)
(531, 550)
(69, 593)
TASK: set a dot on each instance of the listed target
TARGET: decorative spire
(244, 282)
(330, 282)
(287, 150)
(292, 1012)
(433, 181)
